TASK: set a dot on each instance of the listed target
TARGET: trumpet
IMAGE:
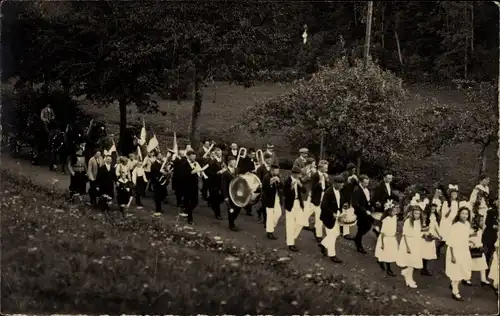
(260, 157)
(242, 153)
(209, 150)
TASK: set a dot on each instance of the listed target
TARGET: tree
(359, 111)
(129, 51)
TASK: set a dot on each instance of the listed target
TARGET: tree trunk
(198, 99)
(123, 124)
(358, 165)
(482, 159)
(368, 32)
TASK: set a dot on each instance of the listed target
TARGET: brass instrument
(242, 153)
(275, 180)
(200, 171)
(260, 156)
(209, 150)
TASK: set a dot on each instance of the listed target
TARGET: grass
(223, 105)
(56, 257)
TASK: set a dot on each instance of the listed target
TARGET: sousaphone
(245, 189)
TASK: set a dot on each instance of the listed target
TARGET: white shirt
(108, 166)
(322, 180)
(367, 193)
(218, 159)
(234, 152)
(388, 188)
(295, 188)
(337, 196)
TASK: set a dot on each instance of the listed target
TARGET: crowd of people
(467, 227)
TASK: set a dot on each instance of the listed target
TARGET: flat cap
(338, 179)
(190, 152)
(270, 146)
(350, 166)
(296, 170)
(303, 150)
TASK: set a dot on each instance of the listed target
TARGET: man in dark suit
(319, 182)
(490, 233)
(248, 164)
(331, 208)
(227, 176)
(177, 180)
(361, 202)
(213, 182)
(262, 170)
(294, 208)
(271, 197)
(351, 181)
(233, 152)
(204, 158)
(300, 162)
(106, 177)
(190, 173)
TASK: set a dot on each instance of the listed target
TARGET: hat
(387, 172)
(296, 170)
(230, 158)
(190, 152)
(350, 166)
(303, 150)
(270, 146)
(452, 188)
(338, 179)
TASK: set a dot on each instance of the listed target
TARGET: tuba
(243, 190)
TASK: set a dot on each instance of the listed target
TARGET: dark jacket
(214, 180)
(289, 194)
(360, 204)
(269, 191)
(329, 207)
(189, 185)
(106, 180)
(316, 188)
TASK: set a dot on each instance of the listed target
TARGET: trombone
(242, 153)
(260, 157)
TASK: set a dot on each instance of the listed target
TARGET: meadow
(223, 105)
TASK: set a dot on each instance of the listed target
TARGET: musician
(271, 199)
(177, 180)
(228, 175)
(300, 162)
(140, 182)
(351, 181)
(190, 173)
(270, 151)
(331, 208)
(294, 207)
(78, 173)
(215, 170)
(361, 202)
(154, 164)
(106, 178)
(382, 194)
(319, 184)
(248, 164)
(262, 170)
(94, 163)
(204, 154)
(305, 177)
(233, 152)
(160, 176)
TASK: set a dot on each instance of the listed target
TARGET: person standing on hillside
(47, 117)
(190, 173)
(204, 154)
(213, 182)
(228, 174)
(319, 184)
(271, 199)
(331, 208)
(93, 167)
(383, 193)
(294, 207)
(361, 202)
(262, 170)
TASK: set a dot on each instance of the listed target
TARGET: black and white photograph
(247, 157)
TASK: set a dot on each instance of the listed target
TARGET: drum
(243, 189)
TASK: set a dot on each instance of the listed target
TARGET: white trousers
(330, 240)
(273, 215)
(309, 210)
(294, 222)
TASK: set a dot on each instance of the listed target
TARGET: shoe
(335, 259)
(322, 249)
(457, 297)
(411, 284)
(361, 250)
(293, 248)
(271, 236)
(233, 228)
(390, 273)
(190, 222)
(425, 272)
(381, 265)
(467, 283)
(485, 283)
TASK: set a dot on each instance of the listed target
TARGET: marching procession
(239, 178)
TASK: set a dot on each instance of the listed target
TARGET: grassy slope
(223, 105)
(55, 258)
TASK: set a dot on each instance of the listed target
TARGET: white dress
(413, 236)
(478, 264)
(390, 251)
(428, 248)
(461, 269)
(446, 222)
(493, 275)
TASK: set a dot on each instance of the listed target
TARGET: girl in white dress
(449, 211)
(458, 258)
(493, 275)
(475, 241)
(409, 256)
(430, 233)
(386, 250)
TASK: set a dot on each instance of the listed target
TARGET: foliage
(77, 263)
(359, 112)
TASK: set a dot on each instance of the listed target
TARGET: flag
(89, 127)
(142, 137)
(153, 143)
(139, 153)
(113, 148)
(304, 35)
(175, 149)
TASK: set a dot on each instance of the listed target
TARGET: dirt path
(358, 269)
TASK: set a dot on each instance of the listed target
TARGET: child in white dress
(430, 233)
(478, 262)
(409, 256)
(449, 211)
(493, 275)
(458, 258)
(386, 250)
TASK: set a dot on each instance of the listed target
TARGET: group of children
(429, 225)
